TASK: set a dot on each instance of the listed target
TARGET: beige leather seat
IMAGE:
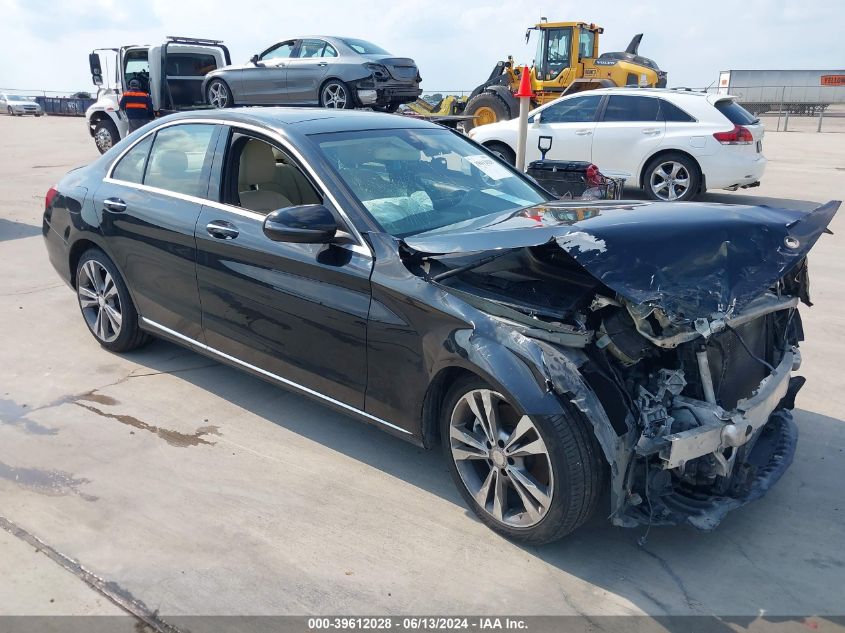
(257, 168)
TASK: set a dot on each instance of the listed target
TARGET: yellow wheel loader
(567, 60)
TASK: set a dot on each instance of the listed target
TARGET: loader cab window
(585, 44)
(553, 48)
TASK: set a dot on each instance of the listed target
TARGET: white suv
(674, 144)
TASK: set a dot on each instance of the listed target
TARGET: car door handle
(323, 64)
(584, 132)
(651, 131)
(114, 204)
(222, 230)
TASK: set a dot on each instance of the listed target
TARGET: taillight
(738, 136)
(52, 192)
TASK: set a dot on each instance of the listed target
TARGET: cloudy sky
(455, 42)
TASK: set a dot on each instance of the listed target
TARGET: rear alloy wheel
(105, 303)
(672, 178)
(218, 94)
(502, 151)
(335, 95)
(533, 479)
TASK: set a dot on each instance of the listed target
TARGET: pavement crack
(30, 291)
(111, 590)
(691, 603)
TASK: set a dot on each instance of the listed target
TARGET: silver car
(17, 105)
(332, 72)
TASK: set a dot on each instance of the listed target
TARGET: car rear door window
(576, 110)
(631, 108)
(735, 113)
(311, 48)
(131, 166)
(180, 159)
(673, 113)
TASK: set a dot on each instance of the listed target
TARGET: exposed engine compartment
(695, 381)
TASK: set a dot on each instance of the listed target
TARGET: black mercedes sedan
(399, 272)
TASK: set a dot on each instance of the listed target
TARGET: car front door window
(280, 51)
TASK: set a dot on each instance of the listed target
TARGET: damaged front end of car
(675, 332)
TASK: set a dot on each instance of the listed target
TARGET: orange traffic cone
(524, 84)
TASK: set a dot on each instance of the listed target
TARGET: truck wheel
(335, 94)
(218, 95)
(502, 151)
(485, 108)
(9, 110)
(672, 177)
(533, 479)
(106, 135)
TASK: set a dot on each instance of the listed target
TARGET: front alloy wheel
(99, 301)
(501, 458)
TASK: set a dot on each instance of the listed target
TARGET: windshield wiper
(479, 262)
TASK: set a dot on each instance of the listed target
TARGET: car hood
(693, 260)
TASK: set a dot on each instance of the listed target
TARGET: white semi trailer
(171, 72)
(793, 91)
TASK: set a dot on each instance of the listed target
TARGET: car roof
(662, 92)
(305, 121)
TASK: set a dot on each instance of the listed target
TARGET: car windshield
(364, 47)
(417, 180)
(16, 98)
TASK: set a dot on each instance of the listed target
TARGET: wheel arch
(85, 242)
(662, 152)
(352, 93)
(101, 115)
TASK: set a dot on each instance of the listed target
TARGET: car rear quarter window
(179, 157)
(630, 108)
(673, 113)
(576, 110)
(735, 113)
(131, 166)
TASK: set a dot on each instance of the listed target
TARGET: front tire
(218, 95)
(532, 479)
(485, 108)
(105, 303)
(672, 177)
(9, 111)
(336, 95)
(106, 135)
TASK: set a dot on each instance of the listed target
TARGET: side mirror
(302, 224)
(254, 60)
(96, 69)
(537, 120)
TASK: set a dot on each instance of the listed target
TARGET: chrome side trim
(276, 137)
(275, 377)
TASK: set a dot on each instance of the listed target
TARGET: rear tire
(553, 463)
(672, 177)
(106, 305)
(502, 151)
(218, 95)
(334, 94)
(485, 108)
(106, 135)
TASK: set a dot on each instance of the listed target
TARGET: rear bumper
(383, 93)
(729, 170)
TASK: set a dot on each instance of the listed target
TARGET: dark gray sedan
(332, 72)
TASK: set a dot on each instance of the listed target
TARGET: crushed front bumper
(722, 429)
